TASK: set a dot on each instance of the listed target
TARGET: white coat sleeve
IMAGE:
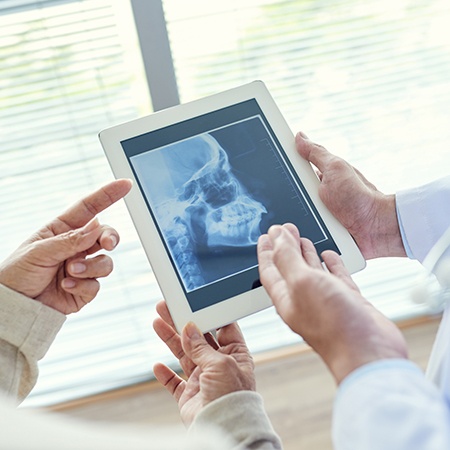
(424, 216)
(390, 405)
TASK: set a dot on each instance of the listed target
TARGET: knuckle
(278, 254)
(299, 284)
(197, 349)
(337, 164)
(317, 146)
(72, 238)
(90, 207)
(226, 363)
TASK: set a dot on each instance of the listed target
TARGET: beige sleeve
(27, 329)
(241, 415)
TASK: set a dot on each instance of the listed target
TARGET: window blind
(367, 79)
(69, 69)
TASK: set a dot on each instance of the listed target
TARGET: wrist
(373, 347)
(343, 368)
(385, 235)
(15, 279)
(9, 279)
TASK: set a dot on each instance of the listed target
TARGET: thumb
(312, 152)
(196, 347)
(57, 249)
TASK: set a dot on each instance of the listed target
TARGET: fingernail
(114, 240)
(68, 283)
(302, 135)
(192, 331)
(78, 267)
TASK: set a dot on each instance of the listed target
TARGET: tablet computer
(210, 177)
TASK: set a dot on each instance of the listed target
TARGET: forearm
(240, 415)
(27, 329)
(390, 405)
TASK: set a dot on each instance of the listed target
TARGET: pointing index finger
(287, 254)
(85, 209)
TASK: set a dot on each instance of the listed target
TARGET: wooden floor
(297, 390)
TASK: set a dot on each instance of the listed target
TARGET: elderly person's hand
(53, 265)
(213, 368)
(368, 214)
(325, 307)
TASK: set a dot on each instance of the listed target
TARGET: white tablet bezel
(226, 311)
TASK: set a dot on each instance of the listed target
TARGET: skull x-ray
(213, 186)
(204, 193)
(202, 208)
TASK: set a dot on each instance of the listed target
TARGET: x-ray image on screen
(210, 221)
(213, 185)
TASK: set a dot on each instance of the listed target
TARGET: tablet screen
(213, 184)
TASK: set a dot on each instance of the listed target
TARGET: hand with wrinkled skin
(325, 307)
(368, 214)
(213, 368)
(53, 267)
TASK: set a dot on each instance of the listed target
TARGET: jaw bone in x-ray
(209, 207)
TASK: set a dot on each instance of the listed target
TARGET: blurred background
(367, 79)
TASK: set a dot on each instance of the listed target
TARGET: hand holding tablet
(210, 177)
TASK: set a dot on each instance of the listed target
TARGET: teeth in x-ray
(182, 252)
(235, 224)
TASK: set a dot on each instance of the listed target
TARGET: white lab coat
(391, 404)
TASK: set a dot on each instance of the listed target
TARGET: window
(367, 79)
(69, 69)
